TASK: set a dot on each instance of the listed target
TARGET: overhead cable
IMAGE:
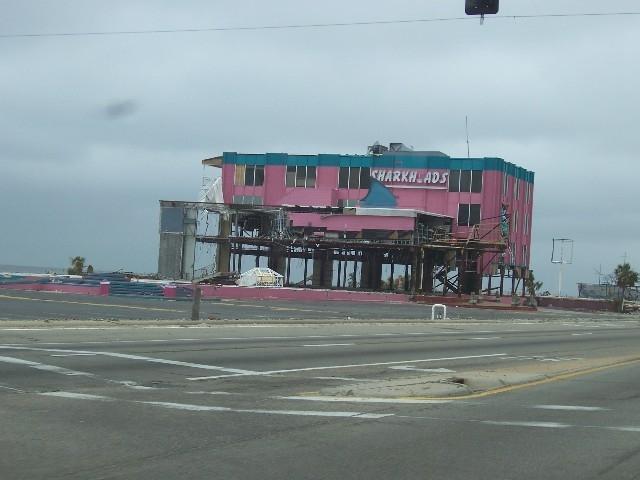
(311, 25)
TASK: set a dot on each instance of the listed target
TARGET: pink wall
(432, 198)
(53, 287)
(352, 223)
(301, 294)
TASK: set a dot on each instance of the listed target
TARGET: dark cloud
(120, 109)
(556, 96)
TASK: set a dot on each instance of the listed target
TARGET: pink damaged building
(393, 219)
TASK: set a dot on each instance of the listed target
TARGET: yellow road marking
(108, 305)
(510, 388)
(535, 383)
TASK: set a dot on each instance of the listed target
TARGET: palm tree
(533, 286)
(77, 266)
(625, 277)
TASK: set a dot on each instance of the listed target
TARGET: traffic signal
(481, 7)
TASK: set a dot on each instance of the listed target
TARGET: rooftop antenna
(466, 127)
(598, 271)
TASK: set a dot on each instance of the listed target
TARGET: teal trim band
(388, 160)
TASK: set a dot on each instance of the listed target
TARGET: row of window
(516, 188)
(301, 176)
(360, 178)
(250, 175)
(247, 200)
(513, 254)
(468, 214)
(465, 181)
(525, 223)
(354, 177)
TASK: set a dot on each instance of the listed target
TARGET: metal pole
(195, 306)
(560, 280)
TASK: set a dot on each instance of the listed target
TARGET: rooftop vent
(399, 147)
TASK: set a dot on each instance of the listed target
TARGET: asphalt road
(17, 306)
(263, 401)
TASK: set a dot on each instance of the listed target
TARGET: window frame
(470, 214)
(297, 176)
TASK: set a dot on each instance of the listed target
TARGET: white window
(516, 188)
(515, 221)
(250, 175)
(301, 176)
(505, 183)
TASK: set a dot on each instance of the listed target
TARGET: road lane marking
(44, 366)
(303, 413)
(527, 424)
(73, 354)
(6, 387)
(79, 396)
(212, 393)
(137, 357)
(92, 304)
(581, 334)
(329, 345)
(577, 408)
(212, 408)
(312, 398)
(348, 379)
(430, 370)
(355, 365)
(484, 338)
(535, 383)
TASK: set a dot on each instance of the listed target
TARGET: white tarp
(213, 193)
(260, 277)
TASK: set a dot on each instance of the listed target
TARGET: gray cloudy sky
(95, 129)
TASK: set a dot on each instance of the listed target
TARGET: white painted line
(484, 338)
(73, 354)
(623, 429)
(329, 345)
(430, 370)
(79, 396)
(348, 379)
(137, 357)
(355, 365)
(581, 334)
(133, 385)
(303, 413)
(312, 398)
(45, 367)
(527, 424)
(212, 393)
(577, 408)
(12, 389)
(212, 408)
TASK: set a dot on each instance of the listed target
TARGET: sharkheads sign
(412, 178)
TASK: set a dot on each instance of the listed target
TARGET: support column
(322, 269)
(392, 284)
(277, 259)
(414, 271)
(223, 255)
(427, 273)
